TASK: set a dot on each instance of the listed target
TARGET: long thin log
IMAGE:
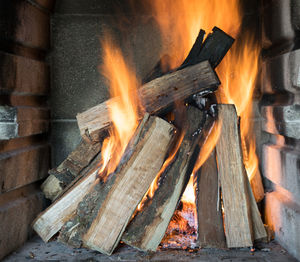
(70, 168)
(156, 95)
(237, 207)
(148, 227)
(104, 213)
(209, 213)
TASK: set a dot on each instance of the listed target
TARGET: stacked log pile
(97, 213)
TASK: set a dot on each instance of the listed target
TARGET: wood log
(257, 186)
(237, 207)
(209, 213)
(214, 48)
(104, 213)
(156, 95)
(149, 225)
(70, 168)
(49, 222)
(259, 230)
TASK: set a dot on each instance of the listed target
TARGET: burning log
(156, 95)
(49, 222)
(214, 48)
(210, 221)
(148, 226)
(69, 169)
(104, 213)
(242, 220)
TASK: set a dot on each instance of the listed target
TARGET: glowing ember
(124, 114)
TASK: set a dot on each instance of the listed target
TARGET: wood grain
(156, 95)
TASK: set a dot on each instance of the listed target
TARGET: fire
(181, 20)
(125, 113)
(238, 73)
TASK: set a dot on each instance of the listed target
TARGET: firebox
(61, 61)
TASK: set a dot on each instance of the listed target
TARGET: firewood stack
(97, 213)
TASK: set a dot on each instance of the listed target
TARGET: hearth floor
(37, 250)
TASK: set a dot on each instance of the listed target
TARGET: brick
(23, 166)
(281, 165)
(283, 216)
(22, 121)
(282, 120)
(281, 21)
(23, 23)
(20, 75)
(16, 216)
(282, 73)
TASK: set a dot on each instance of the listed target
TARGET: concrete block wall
(24, 116)
(280, 109)
(77, 28)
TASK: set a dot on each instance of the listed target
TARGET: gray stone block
(281, 165)
(282, 120)
(281, 21)
(65, 137)
(282, 214)
(77, 84)
(282, 73)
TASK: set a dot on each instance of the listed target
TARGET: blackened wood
(209, 213)
(70, 168)
(215, 47)
(156, 96)
(194, 55)
(148, 227)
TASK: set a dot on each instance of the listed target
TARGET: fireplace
(49, 72)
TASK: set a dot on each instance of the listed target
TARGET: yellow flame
(181, 20)
(125, 112)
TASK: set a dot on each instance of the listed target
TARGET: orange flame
(125, 112)
(180, 22)
(238, 72)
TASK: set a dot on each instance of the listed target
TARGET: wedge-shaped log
(70, 168)
(156, 96)
(209, 213)
(148, 227)
(104, 213)
(242, 220)
(49, 222)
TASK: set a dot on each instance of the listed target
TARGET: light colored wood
(132, 181)
(48, 223)
(257, 186)
(209, 212)
(156, 95)
(259, 231)
(70, 168)
(148, 227)
(237, 207)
